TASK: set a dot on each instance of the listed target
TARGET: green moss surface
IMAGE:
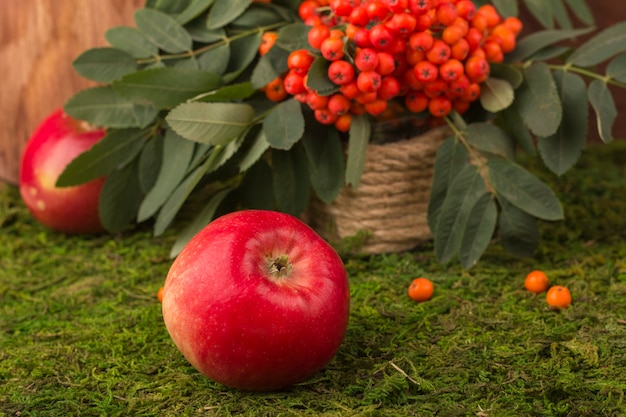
(81, 332)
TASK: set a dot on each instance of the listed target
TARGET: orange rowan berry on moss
(421, 289)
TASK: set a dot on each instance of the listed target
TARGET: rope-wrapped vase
(390, 204)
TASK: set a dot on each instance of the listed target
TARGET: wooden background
(39, 39)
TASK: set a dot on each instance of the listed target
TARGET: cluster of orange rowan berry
(434, 54)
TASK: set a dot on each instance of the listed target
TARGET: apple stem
(280, 267)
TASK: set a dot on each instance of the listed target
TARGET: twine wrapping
(391, 201)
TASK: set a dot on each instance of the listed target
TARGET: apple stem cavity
(279, 267)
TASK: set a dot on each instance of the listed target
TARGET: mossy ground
(81, 332)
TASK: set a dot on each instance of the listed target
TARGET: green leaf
(150, 162)
(511, 121)
(264, 71)
(163, 30)
(524, 190)
(284, 124)
(603, 104)
(464, 192)
(210, 123)
(243, 52)
(542, 11)
(115, 150)
(317, 78)
(325, 158)
(176, 157)
(257, 187)
(358, 139)
(490, 138)
(194, 9)
(519, 232)
(102, 106)
(508, 73)
(104, 64)
(293, 37)
(560, 14)
(166, 87)
(538, 101)
(561, 150)
(131, 41)
(479, 230)
(609, 42)
(536, 41)
(199, 222)
(617, 68)
(291, 180)
(451, 158)
(232, 92)
(225, 11)
(257, 15)
(167, 6)
(258, 148)
(120, 198)
(582, 11)
(506, 8)
(200, 33)
(215, 60)
(496, 95)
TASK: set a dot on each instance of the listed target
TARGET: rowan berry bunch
(433, 55)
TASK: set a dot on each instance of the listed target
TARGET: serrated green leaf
(524, 190)
(264, 72)
(104, 64)
(325, 156)
(479, 230)
(519, 232)
(617, 68)
(194, 9)
(258, 148)
(358, 139)
(291, 180)
(451, 157)
(150, 162)
(582, 11)
(609, 42)
(257, 15)
(116, 149)
(284, 124)
(550, 52)
(225, 11)
(561, 150)
(317, 78)
(163, 30)
(496, 95)
(215, 60)
(536, 41)
(293, 37)
(603, 104)
(176, 157)
(506, 8)
(243, 52)
(507, 72)
(490, 138)
(132, 41)
(541, 10)
(232, 92)
(166, 87)
(102, 106)
(465, 190)
(511, 121)
(120, 198)
(200, 33)
(199, 222)
(538, 101)
(210, 123)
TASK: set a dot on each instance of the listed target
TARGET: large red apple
(257, 301)
(53, 145)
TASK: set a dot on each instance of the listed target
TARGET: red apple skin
(242, 326)
(53, 145)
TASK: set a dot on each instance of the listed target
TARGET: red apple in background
(257, 301)
(53, 145)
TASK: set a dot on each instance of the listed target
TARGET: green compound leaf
(115, 150)
(496, 95)
(210, 123)
(490, 138)
(225, 11)
(150, 160)
(617, 68)
(465, 191)
(603, 104)
(120, 198)
(166, 87)
(358, 139)
(242, 53)
(536, 41)
(232, 92)
(291, 180)
(194, 9)
(538, 101)
(519, 231)
(542, 11)
(131, 41)
(284, 124)
(257, 149)
(102, 106)
(293, 37)
(104, 64)
(318, 80)
(561, 150)
(524, 190)
(506, 8)
(215, 60)
(582, 11)
(163, 30)
(479, 231)
(609, 42)
(325, 157)
(511, 122)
